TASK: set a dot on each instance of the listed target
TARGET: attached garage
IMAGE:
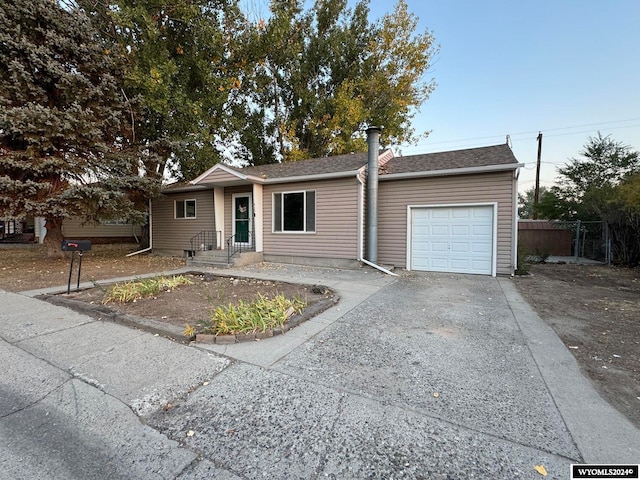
(450, 211)
(456, 238)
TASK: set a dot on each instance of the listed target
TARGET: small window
(294, 211)
(185, 209)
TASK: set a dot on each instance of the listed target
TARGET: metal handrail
(206, 240)
(234, 246)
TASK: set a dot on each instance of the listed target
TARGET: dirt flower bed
(595, 310)
(192, 304)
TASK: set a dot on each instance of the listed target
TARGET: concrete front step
(195, 262)
(218, 258)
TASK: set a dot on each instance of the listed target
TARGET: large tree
(586, 183)
(603, 185)
(623, 217)
(549, 205)
(182, 64)
(62, 135)
(322, 76)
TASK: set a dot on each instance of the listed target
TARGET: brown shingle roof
(471, 157)
(313, 166)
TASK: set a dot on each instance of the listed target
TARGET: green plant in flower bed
(257, 316)
(128, 292)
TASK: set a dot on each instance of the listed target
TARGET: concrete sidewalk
(422, 376)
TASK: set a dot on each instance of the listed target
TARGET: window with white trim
(294, 211)
(185, 209)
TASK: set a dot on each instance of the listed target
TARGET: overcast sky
(567, 68)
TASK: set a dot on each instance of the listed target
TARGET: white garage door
(452, 239)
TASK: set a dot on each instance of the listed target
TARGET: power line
(463, 142)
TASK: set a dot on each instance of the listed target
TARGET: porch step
(203, 262)
(218, 259)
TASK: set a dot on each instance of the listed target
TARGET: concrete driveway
(425, 376)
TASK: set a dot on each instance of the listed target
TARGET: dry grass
(27, 267)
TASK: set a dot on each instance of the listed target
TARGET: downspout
(514, 236)
(150, 235)
(373, 141)
(382, 269)
(360, 217)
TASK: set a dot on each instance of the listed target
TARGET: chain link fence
(590, 240)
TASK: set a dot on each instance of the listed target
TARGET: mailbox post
(74, 246)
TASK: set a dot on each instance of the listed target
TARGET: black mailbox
(76, 245)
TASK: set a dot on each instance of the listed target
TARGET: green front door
(242, 217)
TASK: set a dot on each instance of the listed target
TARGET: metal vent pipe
(373, 141)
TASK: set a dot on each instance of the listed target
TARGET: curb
(100, 312)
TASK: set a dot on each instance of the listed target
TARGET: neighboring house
(105, 232)
(449, 212)
(113, 231)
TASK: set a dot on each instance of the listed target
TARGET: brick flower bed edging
(293, 322)
(101, 312)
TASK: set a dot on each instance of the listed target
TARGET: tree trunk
(54, 237)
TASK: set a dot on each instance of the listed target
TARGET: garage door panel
(481, 248)
(463, 213)
(482, 231)
(460, 247)
(440, 214)
(420, 214)
(439, 247)
(459, 264)
(453, 239)
(483, 213)
(462, 230)
(438, 263)
(440, 230)
(481, 265)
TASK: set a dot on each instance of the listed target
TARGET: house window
(294, 211)
(185, 209)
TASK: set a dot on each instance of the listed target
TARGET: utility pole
(536, 194)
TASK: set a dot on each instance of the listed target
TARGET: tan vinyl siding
(395, 195)
(218, 176)
(336, 234)
(72, 227)
(174, 234)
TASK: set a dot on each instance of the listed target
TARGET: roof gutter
(453, 171)
(186, 188)
(268, 181)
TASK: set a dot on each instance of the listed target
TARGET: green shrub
(524, 265)
(128, 292)
(257, 316)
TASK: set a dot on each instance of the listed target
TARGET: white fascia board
(219, 166)
(452, 171)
